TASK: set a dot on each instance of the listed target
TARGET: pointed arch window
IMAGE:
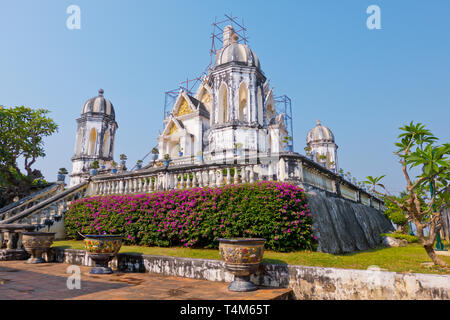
(223, 104)
(92, 142)
(106, 144)
(260, 106)
(243, 102)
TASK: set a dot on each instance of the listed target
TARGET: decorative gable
(184, 108)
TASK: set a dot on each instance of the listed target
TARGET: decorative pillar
(252, 174)
(228, 176)
(236, 176)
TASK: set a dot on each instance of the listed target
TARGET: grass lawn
(402, 259)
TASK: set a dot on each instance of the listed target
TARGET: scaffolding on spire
(283, 105)
(190, 85)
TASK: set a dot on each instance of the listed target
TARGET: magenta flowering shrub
(197, 217)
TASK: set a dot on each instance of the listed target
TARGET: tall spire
(227, 35)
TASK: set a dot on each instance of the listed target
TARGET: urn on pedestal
(102, 249)
(242, 257)
(36, 243)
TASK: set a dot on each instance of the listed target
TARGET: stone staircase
(43, 209)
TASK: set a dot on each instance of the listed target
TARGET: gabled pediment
(174, 126)
(183, 105)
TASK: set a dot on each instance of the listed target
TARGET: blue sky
(361, 83)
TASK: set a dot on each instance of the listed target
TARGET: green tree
(426, 194)
(22, 131)
(395, 214)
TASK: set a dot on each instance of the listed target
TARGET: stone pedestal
(13, 254)
(11, 247)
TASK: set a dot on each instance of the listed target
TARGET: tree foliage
(22, 133)
(426, 193)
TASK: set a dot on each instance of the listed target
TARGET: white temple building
(232, 111)
(95, 137)
(320, 146)
(231, 116)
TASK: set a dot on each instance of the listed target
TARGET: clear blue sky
(363, 84)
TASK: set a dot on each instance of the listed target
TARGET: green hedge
(197, 217)
(396, 235)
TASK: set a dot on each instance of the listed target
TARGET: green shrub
(197, 217)
(397, 235)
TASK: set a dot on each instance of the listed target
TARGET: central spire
(228, 32)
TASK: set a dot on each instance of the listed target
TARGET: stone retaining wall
(307, 282)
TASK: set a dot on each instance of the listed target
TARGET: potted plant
(242, 257)
(341, 172)
(348, 175)
(332, 166)
(286, 140)
(308, 151)
(166, 159)
(102, 249)
(139, 165)
(62, 174)
(123, 159)
(200, 156)
(94, 168)
(36, 243)
(323, 159)
(238, 149)
(114, 167)
(155, 153)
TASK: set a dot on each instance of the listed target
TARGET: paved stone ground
(21, 281)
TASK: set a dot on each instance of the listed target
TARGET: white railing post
(188, 181)
(220, 177)
(228, 176)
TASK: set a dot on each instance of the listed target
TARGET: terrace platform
(21, 281)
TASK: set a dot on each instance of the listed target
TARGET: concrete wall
(307, 282)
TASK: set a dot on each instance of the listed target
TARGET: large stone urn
(36, 243)
(102, 249)
(242, 257)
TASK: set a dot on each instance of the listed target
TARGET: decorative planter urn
(242, 257)
(102, 249)
(36, 243)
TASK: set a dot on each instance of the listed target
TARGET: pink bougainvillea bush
(197, 217)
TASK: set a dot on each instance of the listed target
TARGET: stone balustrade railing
(49, 212)
(286, 167)
(31, 200)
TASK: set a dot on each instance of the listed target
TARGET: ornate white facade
(233, 111)
(95, 137)
(320, 146)
(231, 117)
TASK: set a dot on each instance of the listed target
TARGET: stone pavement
(21, 281)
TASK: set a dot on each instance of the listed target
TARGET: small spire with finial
(318, 122)
(100, 92)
